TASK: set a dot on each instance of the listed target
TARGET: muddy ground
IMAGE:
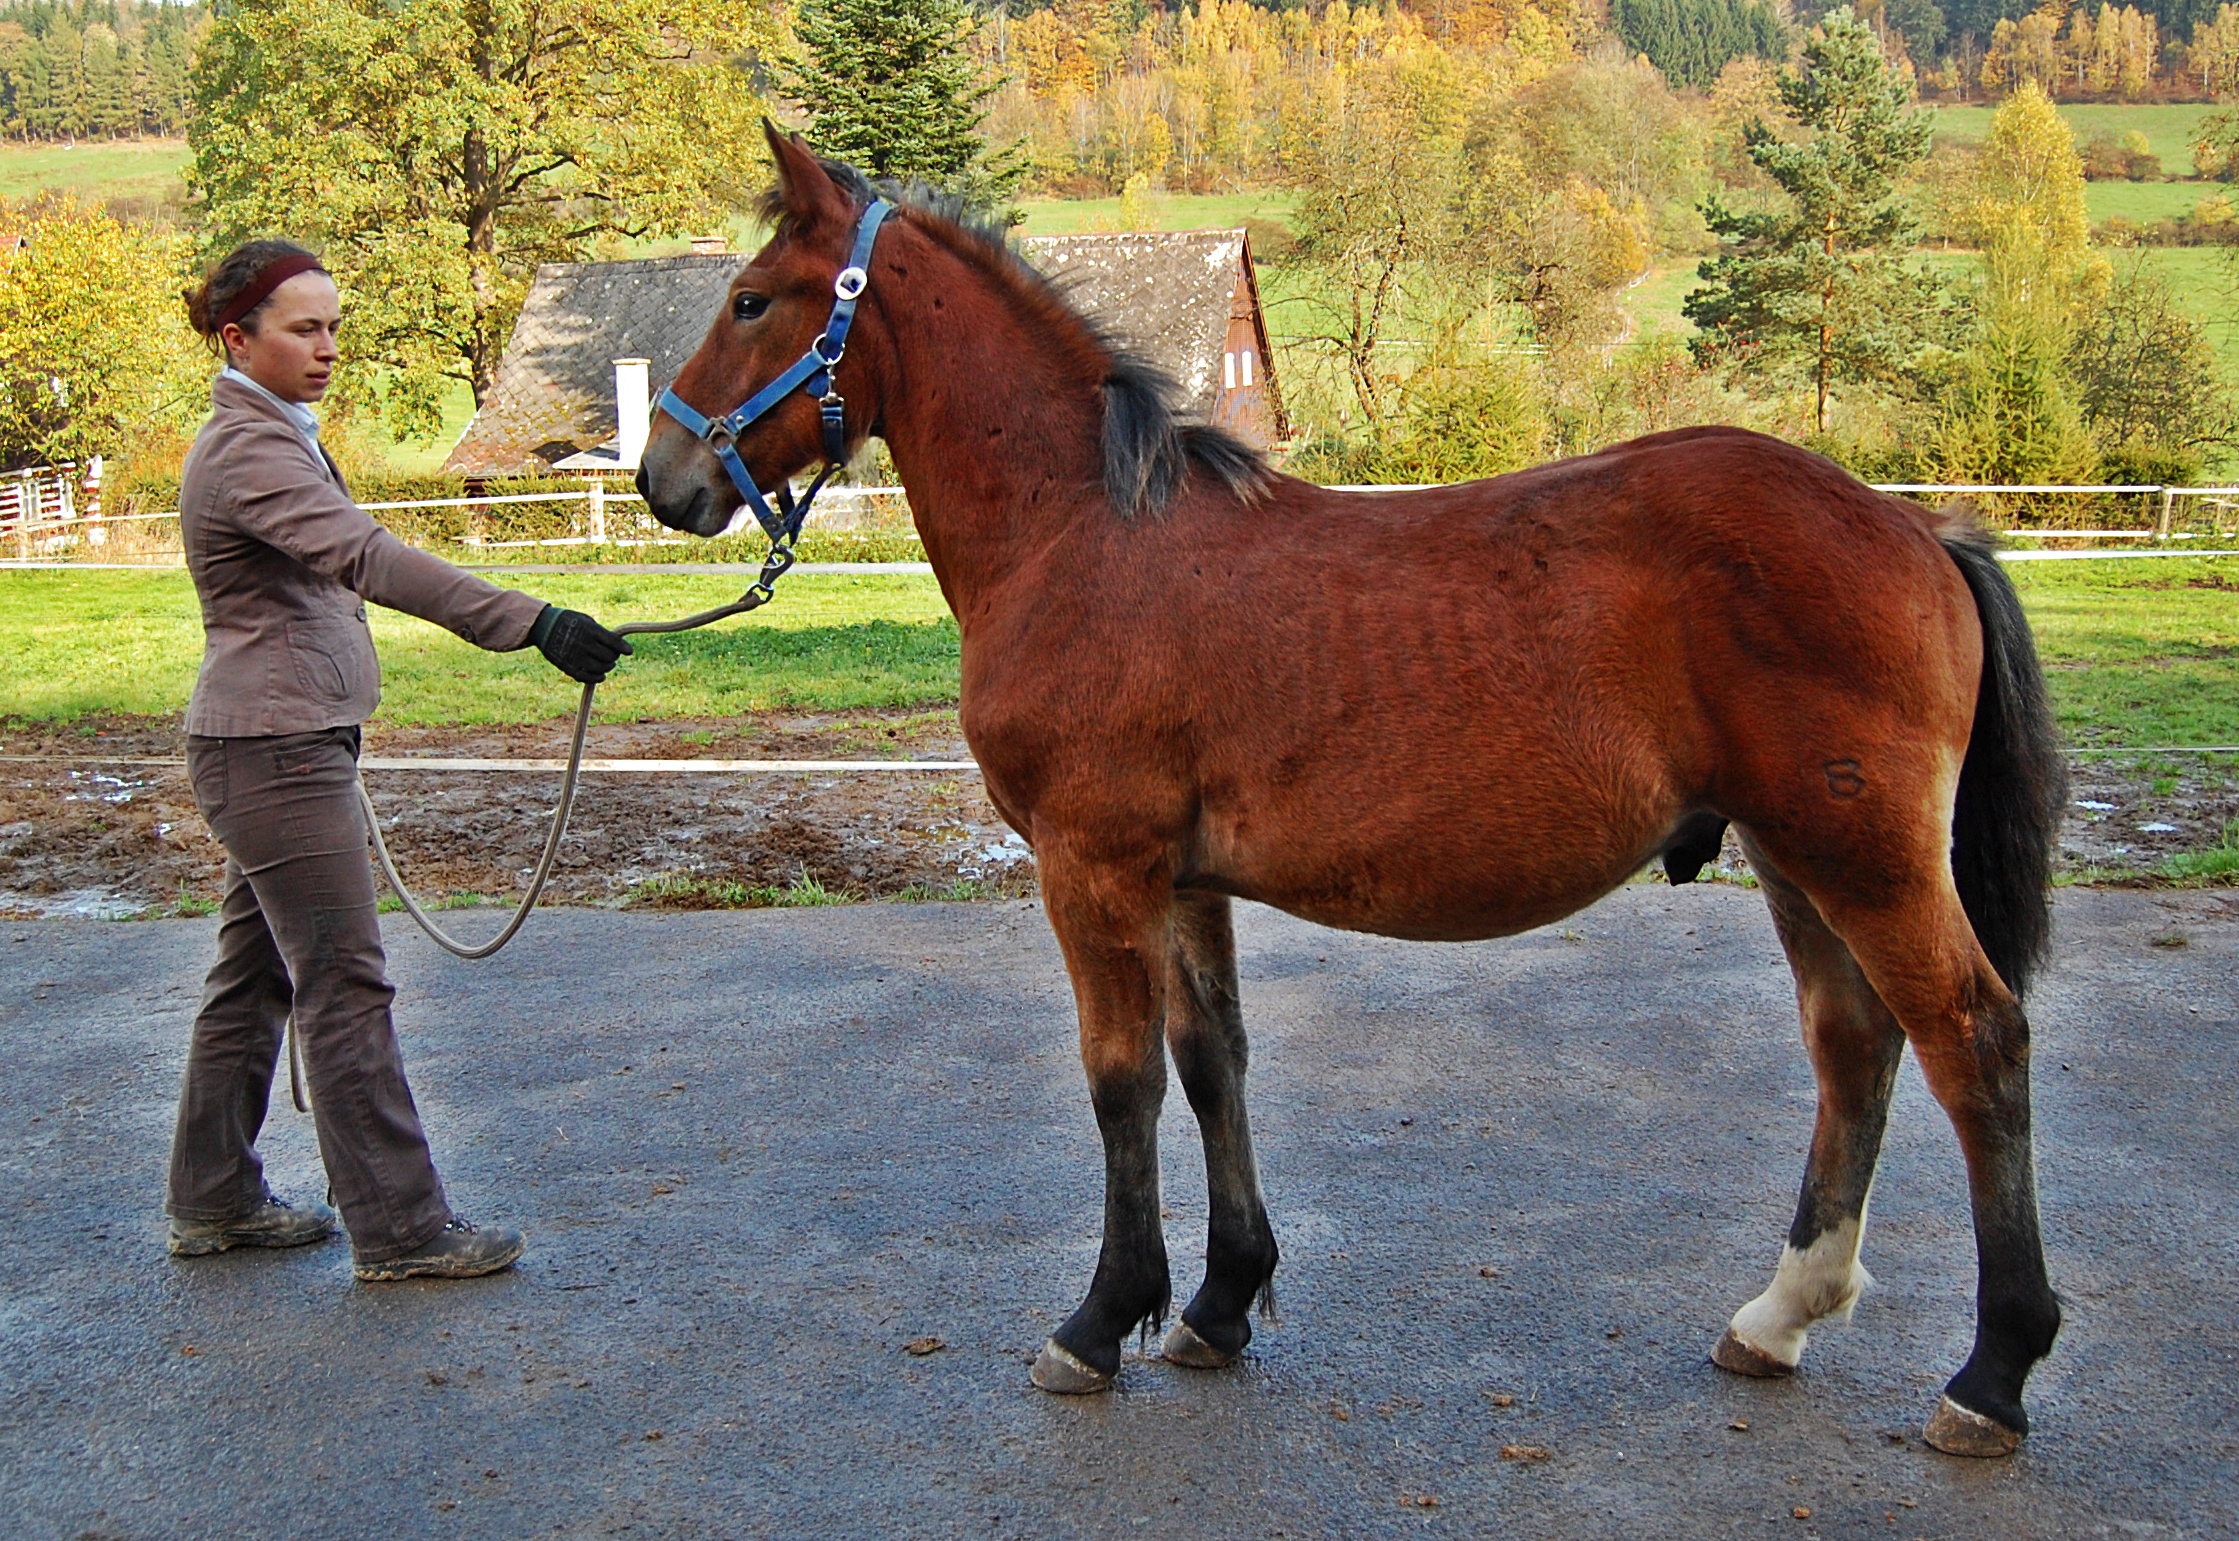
(86, 831)
(82, 836)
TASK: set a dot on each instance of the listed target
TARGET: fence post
(598, 513)
(2168, 508)
(95, 534)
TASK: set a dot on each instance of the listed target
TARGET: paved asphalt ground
(760, 1153)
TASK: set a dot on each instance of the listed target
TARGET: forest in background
(96, 69)
(1463, 197)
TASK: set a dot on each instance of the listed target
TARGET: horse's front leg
(1205, 1030)
(1115, 937)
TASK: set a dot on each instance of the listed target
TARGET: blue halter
(813, 373)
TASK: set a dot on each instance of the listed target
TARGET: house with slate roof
(598, 341)
(1189, 301)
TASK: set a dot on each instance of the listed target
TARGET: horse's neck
(995, 427)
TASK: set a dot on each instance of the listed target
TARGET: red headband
(269, 277)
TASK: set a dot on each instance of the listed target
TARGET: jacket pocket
(329, 658)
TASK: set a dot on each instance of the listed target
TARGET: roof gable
(554, 390)
(1165, 295)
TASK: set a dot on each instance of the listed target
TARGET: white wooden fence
(45, 520)
(40, 513)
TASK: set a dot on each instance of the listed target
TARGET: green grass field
(145, 171)
(1654, 301)
(1168, 211)
(73, 644)
(2144, 203)
(2168, 126)
(2140, 653)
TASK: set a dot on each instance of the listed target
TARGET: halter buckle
(851, 283)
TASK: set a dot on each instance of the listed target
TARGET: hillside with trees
(1469, 193)
(96, 69)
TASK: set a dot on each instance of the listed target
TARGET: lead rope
(753, 599)
(780, 558)
(773, 568)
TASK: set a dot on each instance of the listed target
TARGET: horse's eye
(749, 307)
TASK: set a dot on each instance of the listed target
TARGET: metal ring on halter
(851, 283)
(823, 341)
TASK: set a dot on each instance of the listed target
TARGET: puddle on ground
(81, 904)
(93, 787)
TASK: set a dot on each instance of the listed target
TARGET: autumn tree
(2022, 50)
(75, 379)
(2012, 412)
(892, 88)
(1826, 287)
(440, 151)
(1377, 171)
(2028, 177)
(2147, 380)
(2214, 54)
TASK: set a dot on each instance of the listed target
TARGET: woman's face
(292, 352)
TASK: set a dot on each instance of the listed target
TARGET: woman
(282, 560)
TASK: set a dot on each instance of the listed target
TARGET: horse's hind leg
(1205, 1031)
(1855, 1045)
(1913, 941)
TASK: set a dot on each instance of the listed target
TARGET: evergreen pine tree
(895, 93)
(1824, 289)
(1690, 41)
(2011, 414)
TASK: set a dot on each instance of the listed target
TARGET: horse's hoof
(1956, 1430)
(1747, 1359)
(1183, 1346)
(1056, 1369)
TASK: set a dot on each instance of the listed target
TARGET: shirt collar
(306, 422)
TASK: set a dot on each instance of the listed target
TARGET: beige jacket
(281, 558)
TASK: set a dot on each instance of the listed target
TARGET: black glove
(578, 646)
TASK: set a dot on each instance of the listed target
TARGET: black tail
(2013, 787)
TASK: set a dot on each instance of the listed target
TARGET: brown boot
(461, 1250)
(273, 1223)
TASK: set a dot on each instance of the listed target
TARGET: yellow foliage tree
(2030, 179)
(94, 344)
(2025, 50)
(2214, 54)
(1237, 87)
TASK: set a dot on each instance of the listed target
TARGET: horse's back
(1473, 709)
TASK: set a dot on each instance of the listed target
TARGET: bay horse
(1443, 715)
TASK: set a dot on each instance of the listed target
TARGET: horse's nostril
(644, 486)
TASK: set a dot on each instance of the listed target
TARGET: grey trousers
(299, 933)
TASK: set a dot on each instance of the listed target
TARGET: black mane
(1148, 449)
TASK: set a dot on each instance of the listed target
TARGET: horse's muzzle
(702, 513)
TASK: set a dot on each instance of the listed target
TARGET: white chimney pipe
(633, 409)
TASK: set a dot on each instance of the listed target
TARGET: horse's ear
(808, 193)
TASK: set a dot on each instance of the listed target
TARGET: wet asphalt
(1519, 1187)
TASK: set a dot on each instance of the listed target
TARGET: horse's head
(779, 305)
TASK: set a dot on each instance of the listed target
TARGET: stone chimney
(717, 245)
(633, 409)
